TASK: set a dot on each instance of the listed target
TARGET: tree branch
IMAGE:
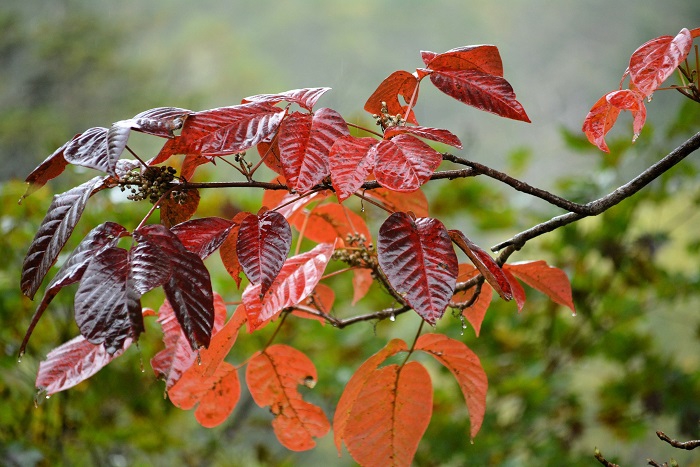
(687, 445)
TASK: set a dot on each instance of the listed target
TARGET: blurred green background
(627, 365)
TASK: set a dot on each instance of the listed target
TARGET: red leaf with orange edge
(399, 83)
(354, 387)
(481, 57)
(326, 222)
(404, 163)
(273, 376)
(466, 368)
(633, 101)
(482, 90)
(657, 59)
(599, 121)
(547, 279)
(262, 247)
(395, 409)
(305, 142)
(351, 161)
(306, 97)
(419, 262)
(414, 201)
(295, 281)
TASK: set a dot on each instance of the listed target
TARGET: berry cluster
(357, 253)
(150, 184)
(386, 120)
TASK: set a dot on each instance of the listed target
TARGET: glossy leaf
(305, 142)
(270, 154)
(90, 150)
(321, 300)
(653, 62)
(291, 205)
(419, 262)
(414, 202)
(175, 211)
(273, 376)
(547, 279)
(476, 312)
(355, 386)
(72, 363)
(61, 218)
(306, 97)
(386, 427)
(223, 131)
(433, 134)
(177, 357)
(482, 90)
(262, 246)
(599, 121)
(189, 288)
(518, 291)
(227, 251)
(161, 121)
(399, 83)
(191, 163)
(362, 281)
(486, 265)
(326, 222)
(404, 163)
(296, 280)
(480, 57)
(466, 368)
(203, 236)
(351, 161)
(634, 102)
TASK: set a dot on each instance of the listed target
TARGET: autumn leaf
(321, 300)
(404, 163)
(466, 368)
(476, 312)
(61, 218)
(653, 62)
(399, 83)
(306, 97)
(480, 57)
(203, 236)
(72, 363)
(227, 250)
(52, 167)
(270, 154)
(262, 246)
(273, 376)
(362, 280)
(177, 209)
(547, 279)
(434, 134)
(351, 161)
(419, 262)
(414, 201)
(395, 409)
(295, 281)
(326, 222)
(161, 121)
(603, 115)
(518, 291)
(305, 142)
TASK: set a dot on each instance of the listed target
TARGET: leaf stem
(413, 346)
(136, 156)
(359, 127)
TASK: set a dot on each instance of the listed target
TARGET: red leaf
(273, 376)
(292, 204)
(695, 33)
(518, 291)
(433, 134)
(296, 280)
(547, 279)
(223, 131)
(466, 368)
(262, 247)
(418, 259)
(305, 142)
(203, 236)
(414, 202)
(404, 163)
(357, 382)
(104, 235)
(399, 83)
(227, 250)
(61, 218)
(177, 210)
(475, 314)
(189, 288)
(190, 164)
(484, 263)
(52, 167)
(306, 97)
(385, 429)
(351, 161)
(361, 282)
(482, 90)
(599, 121)
(161, 121)
(480, 57)
(657, 59)
(177, 357)
(327, 222)
(634, 102)
(72, 363)
(270, 152)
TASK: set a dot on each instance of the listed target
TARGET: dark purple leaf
(161, 121)
(117, 137)
(203, 236)
(150, 267)
(189, 288)
(306, 98)
(90, 150)
(61, 218)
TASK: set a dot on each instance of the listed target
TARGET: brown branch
(606, 202)
(599, 457)
(687, 445)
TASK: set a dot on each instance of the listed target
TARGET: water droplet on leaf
(634, 138)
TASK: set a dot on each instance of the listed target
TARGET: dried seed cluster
(358, 252)
(386, 120)
(150, 184)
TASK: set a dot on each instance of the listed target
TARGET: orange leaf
(466, 368)
(356, 384)
(475, 313)
(361, 282)
(549, 280)
(273, 376)
(399, 83)
(321, 299)
(227, 250)
(414, 201)
(327, 222)
(386, 427)
(518, 291)
(217, 404)
(598, 122)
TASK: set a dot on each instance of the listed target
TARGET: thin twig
(599, 457)
(687, 445)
